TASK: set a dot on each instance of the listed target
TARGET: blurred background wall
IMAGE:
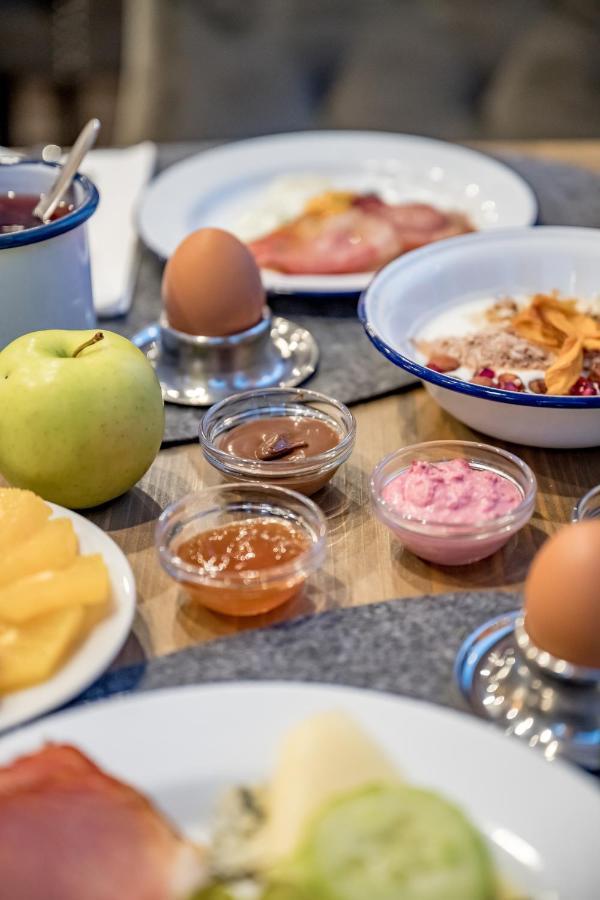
(191, 69)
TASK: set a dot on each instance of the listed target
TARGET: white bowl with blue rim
(45, 271)
(415, 289)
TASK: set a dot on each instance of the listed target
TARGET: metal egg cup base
(558, 714)
(199, 371)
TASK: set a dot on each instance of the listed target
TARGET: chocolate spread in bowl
(281, 438)
(285, 439)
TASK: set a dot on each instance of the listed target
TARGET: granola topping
(548, 345)
(493, 347)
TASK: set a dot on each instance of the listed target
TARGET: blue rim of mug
(58, 226)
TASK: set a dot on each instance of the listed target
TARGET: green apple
(81, 415)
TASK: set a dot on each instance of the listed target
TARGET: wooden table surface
(363, 565)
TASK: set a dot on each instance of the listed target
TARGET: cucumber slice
(393, 842)
(214, 892)
(285, 892)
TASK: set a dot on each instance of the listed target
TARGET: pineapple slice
(33, 653)
(22, 513)
(54, 546)
(83, 583)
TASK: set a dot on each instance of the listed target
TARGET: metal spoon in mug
(86, 140)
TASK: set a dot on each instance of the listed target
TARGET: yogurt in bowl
(453, 502)
(413, 296)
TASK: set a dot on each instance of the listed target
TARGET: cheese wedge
(323, 757)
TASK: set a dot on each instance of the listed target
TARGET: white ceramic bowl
(415, 288)
(45, 271)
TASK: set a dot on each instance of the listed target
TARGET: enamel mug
(45, 279)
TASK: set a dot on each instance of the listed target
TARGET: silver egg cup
(547, 702)
(199, 371)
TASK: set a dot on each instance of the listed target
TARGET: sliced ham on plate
(68, 831)
(417, 224)
(362, 238)
(338, 244)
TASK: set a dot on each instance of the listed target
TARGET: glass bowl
(306, 475)
(454, 544)
(250, 592)
(588, 507)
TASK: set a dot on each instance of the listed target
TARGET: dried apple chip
(566, 369)
(529, 324)
(558, 325)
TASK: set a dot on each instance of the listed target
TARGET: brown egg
(211, 285)
(562, 595)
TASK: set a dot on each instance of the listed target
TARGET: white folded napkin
(120, 176)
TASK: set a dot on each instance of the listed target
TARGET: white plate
(183, 745)
(219, 187)
(100, 647)
(411, 292)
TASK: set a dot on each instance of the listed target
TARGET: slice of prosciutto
(338, 244)
(68, 831)
(362, 238)
(416, 224)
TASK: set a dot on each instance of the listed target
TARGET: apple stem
(93, 340)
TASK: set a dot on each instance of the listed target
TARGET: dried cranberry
(486, 373)
(441, 362)
(484, 380)
(583, 387)
(538, 386)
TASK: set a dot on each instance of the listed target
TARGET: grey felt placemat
(406, 647)
(350, 368)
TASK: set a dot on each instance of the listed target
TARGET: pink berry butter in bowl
(453, 502)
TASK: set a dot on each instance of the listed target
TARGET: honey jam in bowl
(289, 437)
(241, 549)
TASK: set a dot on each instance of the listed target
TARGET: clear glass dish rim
(477, 530)
(579, 510)
(312, 465)
(302, 565)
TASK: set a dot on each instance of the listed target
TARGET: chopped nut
(442, 362)
(538, 386)
(503, 377)
(503, 310)
(483, 380)
(508, 381)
